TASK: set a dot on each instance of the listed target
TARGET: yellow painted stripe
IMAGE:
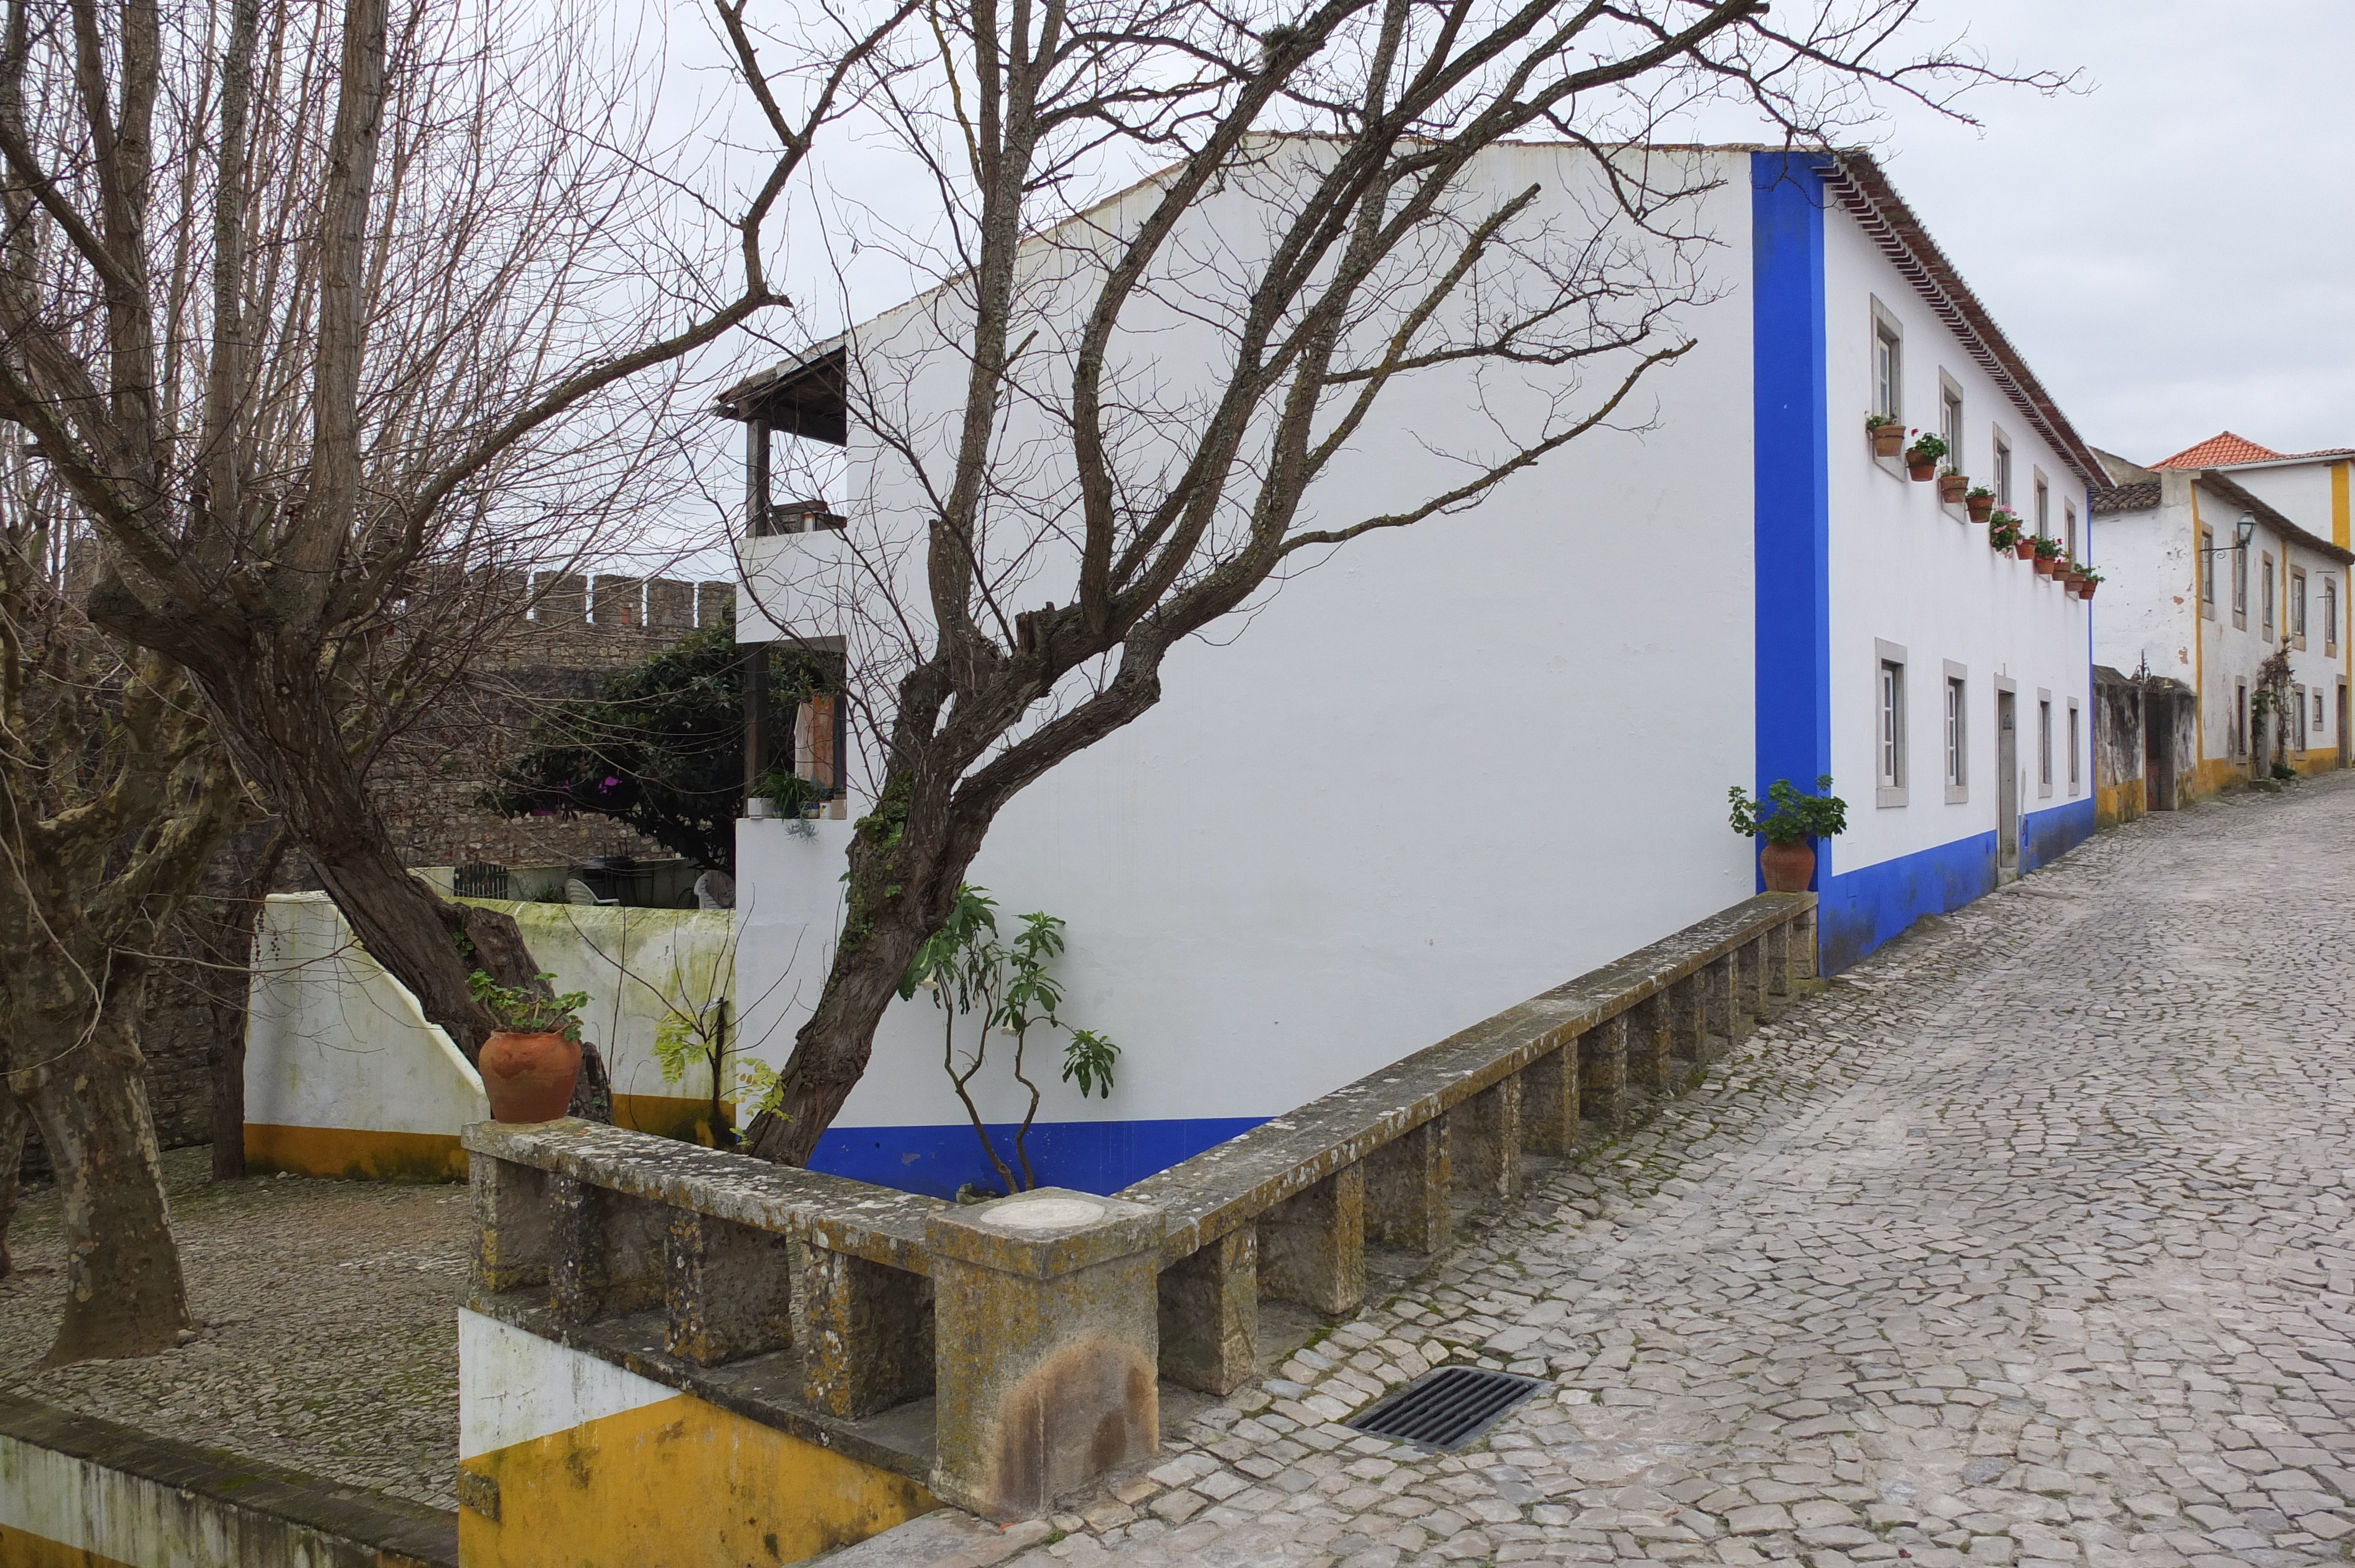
(357, 1154)
(20, 1549)
(677, 1481)
(670, 1115)
(2339, 504)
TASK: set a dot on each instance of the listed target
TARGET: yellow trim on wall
(2339, 502)
(2198, 640)
(682, 1117)
(357, 1154)
(22, 1549)
(680, 1481)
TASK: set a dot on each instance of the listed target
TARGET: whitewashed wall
(2147, 607)
(1907, 569)
(1447, 768)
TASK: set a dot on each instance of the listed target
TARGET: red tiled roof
(2219, 451)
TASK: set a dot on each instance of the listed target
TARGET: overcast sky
(2174, 249)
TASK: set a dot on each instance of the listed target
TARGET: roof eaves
(2223, 484)
(1864, 190)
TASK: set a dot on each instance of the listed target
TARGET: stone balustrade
(1006, 1352)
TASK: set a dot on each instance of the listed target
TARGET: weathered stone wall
(2117, 747)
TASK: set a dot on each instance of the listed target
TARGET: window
(2208, 573)
(2296, 712)
(1958, 773)
(2265, 598)
(2318, 713)
(2044, 507)
(1950, 419)
(2240, 586)
(2075, 721)
(2069, 527)
(2002, 471)
(1888, 364)
(1890, 730)
(2043, 744)
(2330, 615)
(2298, 607)
(2238, 738)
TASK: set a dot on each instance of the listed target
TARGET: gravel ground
(330, 1326)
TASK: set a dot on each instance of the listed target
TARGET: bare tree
(113, 798)
(306, 302)
(1077, 506)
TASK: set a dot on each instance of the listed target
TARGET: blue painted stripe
(1860, 910)
(2045, 836)
(1792, 471)
(1090, 1156)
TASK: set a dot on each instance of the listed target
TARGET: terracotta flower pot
(2086, 590)
(1921, 471)
(1888, 441)
(1787, 867)
(1953, 487)
(2044, 565)
(1980, 508)
(2026, 548)
(529, 1077)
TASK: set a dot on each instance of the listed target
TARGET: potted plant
(1981, 501)
(532, 1060)
(2086, 581)
(1952, 485)
(1922, 456)
(1888, 435)
(1787, 821)
(2003, 533)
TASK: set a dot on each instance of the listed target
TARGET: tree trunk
(125, 1296)
(13, 1123)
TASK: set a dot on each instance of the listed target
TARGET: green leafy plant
(1978, 492)
(1927, 447)
(514, 1010)
(1787, 817)
(1005, 984)
(2002, 537)
(1880, 421)
(2047, 548)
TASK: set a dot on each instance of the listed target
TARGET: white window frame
(1888, 341)
(2298, 701)
(2043, 744)
(1958, 737)
(2265, 598)
(2043, 504)
(1889, 738)
(2208, 571)
(1950, 416)
(2069, 527)
(2240, 585)
(2239, 736)
(2298, 607)
(2076, 744)
(2002, 485)
(2331, 614)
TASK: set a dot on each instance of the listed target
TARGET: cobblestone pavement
(327, 1316)
(2027, 1242)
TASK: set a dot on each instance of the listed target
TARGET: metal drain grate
(1445, 1409)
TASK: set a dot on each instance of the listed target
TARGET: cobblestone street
(2027, 1242)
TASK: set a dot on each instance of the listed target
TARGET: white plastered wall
(1447, 768)
(1909, 570)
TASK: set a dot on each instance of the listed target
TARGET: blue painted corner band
(1792, 538)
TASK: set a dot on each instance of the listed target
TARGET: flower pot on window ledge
(1927, 469)
(2086, 590)
(1787, 867)
(1888, 441)
(2026, 547)
(1981, 504)
(2044, 565)
(1953, 487)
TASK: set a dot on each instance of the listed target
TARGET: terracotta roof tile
(2217, 452)
(2138, 496)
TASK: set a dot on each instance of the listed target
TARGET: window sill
(1958, 794)
(1884, 796)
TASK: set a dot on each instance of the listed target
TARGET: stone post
(1047, 1345)
(1651, 1046)
(1603, 1072)
(727, 1291)
(1407, 1202)
(1550, 1120)
(1485, 1131)
(1210, 1315)
(605, 1253)
(864, 1330)
(513, 1224)
(1312, 1245)
(1803, 946)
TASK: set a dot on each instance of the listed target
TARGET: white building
(1464, 762)
(2220, 557)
